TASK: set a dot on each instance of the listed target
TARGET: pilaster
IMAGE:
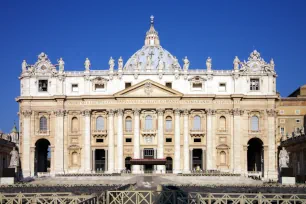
(26, 143)
(186, 141)
(160, 140)
(111, 164)
(209, 139)
(59, 141)
(86, 142)
(120, 140)
(136, 168)
(177, 145)
(272, 169)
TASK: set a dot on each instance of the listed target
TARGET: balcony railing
(148, 132)
(168, 130)
(197, 132)
(99, 133)
(43, 132)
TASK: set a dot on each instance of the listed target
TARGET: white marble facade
(152, 81)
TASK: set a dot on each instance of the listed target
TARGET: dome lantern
(152, 38)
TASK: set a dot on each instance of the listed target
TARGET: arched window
(197, 122)
(222, 157)
(168, 123)
(74, 124)
(100, 123)
(254, 123)
(149, 122)
(43, 124)
(128, 124)
(222, 123)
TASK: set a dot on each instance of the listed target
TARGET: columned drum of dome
(153, 112)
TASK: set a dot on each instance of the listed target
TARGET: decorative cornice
(236, 112)
(27, 113)
(120, 112)
(110, 112)
(177, 111)
(60, 112)
(185, 112)
(86, 112)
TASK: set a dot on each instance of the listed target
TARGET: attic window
(99, 87)
(222, 87)
(169, 85)
(197, 86)
(43, 85)
(128, 84)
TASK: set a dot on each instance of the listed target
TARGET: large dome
(152, 56)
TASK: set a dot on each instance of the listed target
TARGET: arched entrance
(42, 156)
(255, 155)
(128, 163)
(169, 165)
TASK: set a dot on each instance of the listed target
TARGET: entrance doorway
(100, 160)
(169, 165)
(128, 163)
(42, 156)
(197, 159)
(255, 155)
(148, 154)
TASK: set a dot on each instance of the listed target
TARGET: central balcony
(148, 132)
(99, 133)
(197, 133)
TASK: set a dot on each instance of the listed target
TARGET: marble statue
(161, 65)
(208, 64)
(14, 158)
(236, 63)
(61, 64)
(272, 64)
(136, 62)
(302, 130)
(283, 158)
(24, 66)
(120, 63)
(111, 64)
(186, 63)
(175, 63)
(149, 62)
(87, 64)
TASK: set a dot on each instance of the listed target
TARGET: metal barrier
(42, 198)
(179, 197)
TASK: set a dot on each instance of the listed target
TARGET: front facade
(151, 107)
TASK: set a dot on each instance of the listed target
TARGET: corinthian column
(59, 141)
(236, 146)
(272, 171)
(136, 168)
(209, 140)
(160, 140)
(26, 143)
(177, 145)
(87, 143)
(111, 141)
(119, 141)
(186, 143)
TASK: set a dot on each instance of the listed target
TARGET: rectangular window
(99, 140)
(168, 139)
(222, 87)
(128, 139)
(168, 125)
(197, 86)
(254, 84)
(197, 140)
(128, 125)
(128, 84)
(297, 120)
(169, 85)
(99, 87)
(43, 85)
(282, 130)
(75, 87)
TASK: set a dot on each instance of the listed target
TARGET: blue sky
(220, 29)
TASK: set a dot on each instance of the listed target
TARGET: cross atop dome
(152, 38)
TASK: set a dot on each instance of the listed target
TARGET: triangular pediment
(148, 88)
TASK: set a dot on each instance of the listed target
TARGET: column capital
(86, 112)
(110, 112)
(26, 113)
(236, 112)
(160, 111)
(177, 111)
(271, 112)
(60, 112)
(186, 112)
(136, 111)
(210, 111)
(120, 112)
